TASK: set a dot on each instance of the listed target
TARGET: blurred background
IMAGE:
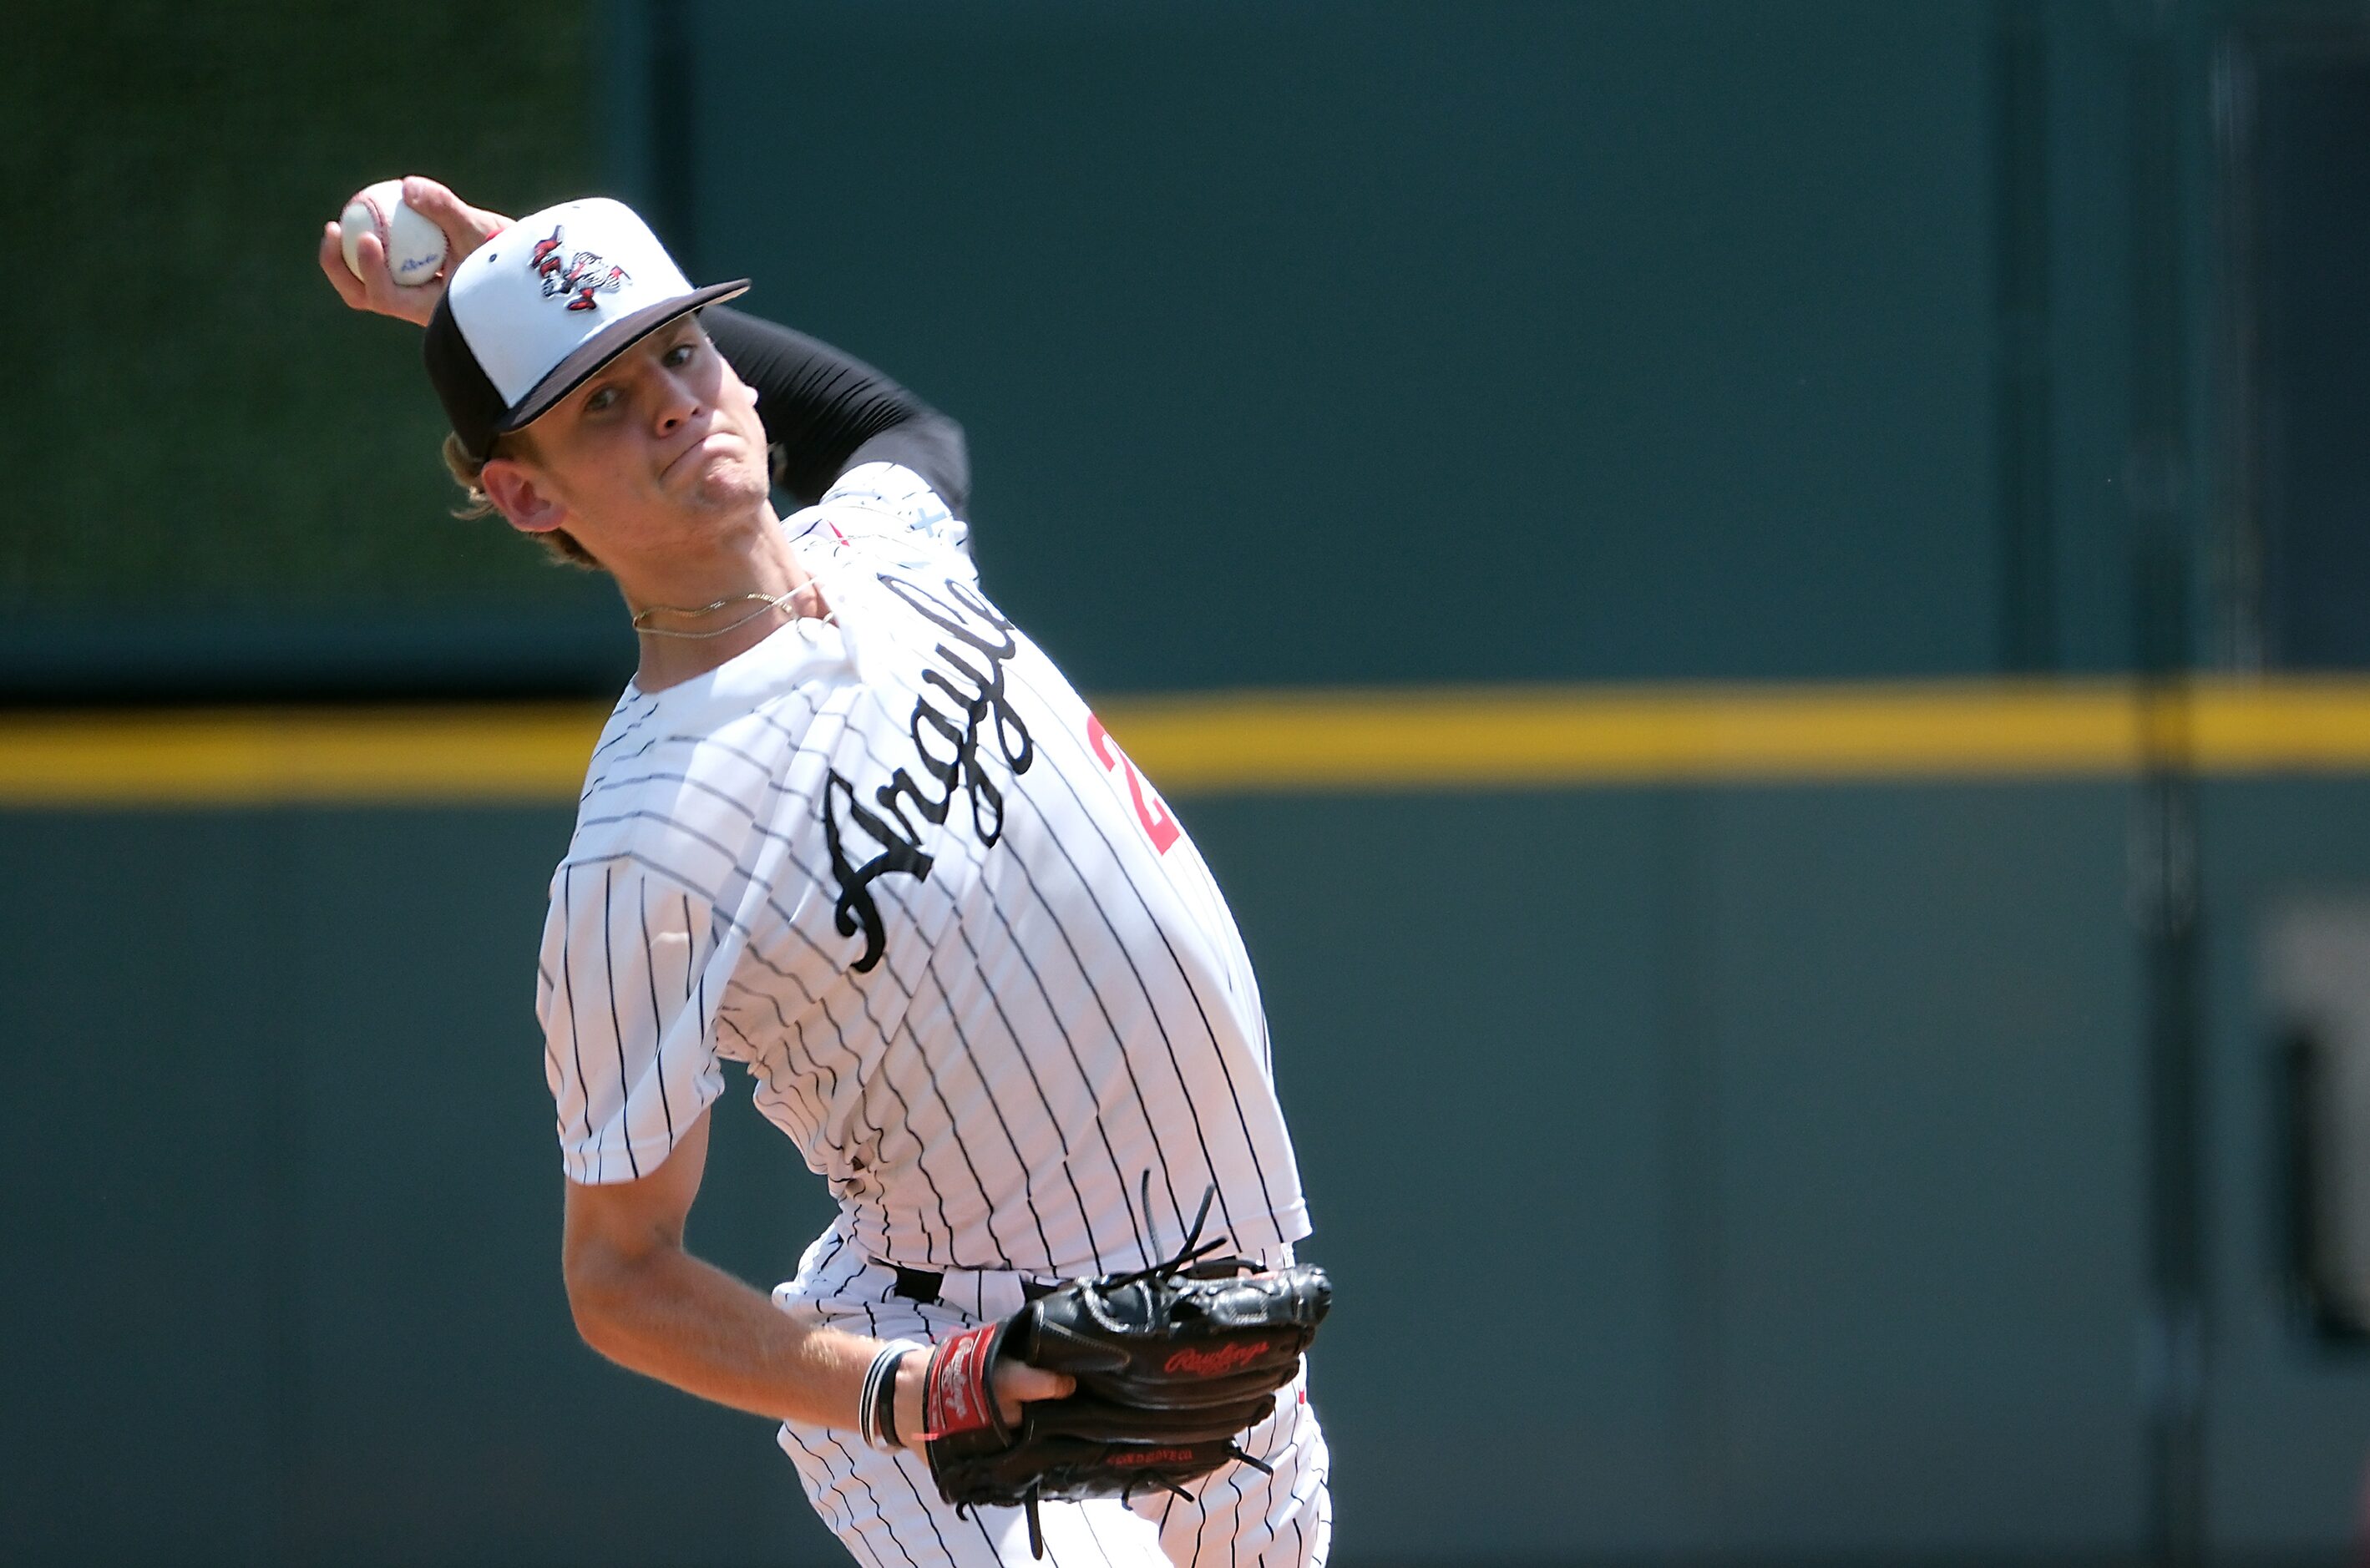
(1760, 603)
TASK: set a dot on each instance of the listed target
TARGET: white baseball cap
(533, 311)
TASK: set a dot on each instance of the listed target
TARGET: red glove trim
(956, 1394)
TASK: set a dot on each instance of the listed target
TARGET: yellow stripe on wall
(1485, 738)
(299, 756)
(1495, 736)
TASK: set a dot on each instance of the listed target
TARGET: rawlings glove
(1173, 1363)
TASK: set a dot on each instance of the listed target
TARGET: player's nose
(676, 402)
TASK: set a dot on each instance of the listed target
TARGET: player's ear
(514, 488)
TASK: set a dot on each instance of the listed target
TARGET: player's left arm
(645, 1302)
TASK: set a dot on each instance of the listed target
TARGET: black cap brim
(606, 345)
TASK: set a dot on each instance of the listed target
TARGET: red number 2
(1158, 826)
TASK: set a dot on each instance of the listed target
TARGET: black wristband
(875, 1422)
(885, 1411)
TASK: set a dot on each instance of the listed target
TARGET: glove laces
(1191, 1251)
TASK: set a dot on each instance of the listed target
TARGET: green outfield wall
(1708, 1170)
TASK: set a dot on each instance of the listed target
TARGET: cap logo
(578, 278)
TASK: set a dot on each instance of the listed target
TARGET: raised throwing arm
(825, 411)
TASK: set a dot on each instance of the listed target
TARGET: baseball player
(849, 827)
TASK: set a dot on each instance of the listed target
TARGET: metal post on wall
(2164, 835)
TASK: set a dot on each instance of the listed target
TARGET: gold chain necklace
(765, 602)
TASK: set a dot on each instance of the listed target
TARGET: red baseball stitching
(385, 228)
(379, 227)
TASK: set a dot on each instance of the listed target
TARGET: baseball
(415, 247)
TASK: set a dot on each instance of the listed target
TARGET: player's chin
(724, 478)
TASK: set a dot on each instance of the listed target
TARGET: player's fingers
(434, 200)
(333, 267)
(378, 283)
(382, 292)
(1018, 1383)
(466, 227)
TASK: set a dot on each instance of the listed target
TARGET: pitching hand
(465, 228)
(1017, 1382)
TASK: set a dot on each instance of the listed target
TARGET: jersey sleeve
(628, 1007)
(897, 516)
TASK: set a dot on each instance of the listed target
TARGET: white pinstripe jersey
(982, 978)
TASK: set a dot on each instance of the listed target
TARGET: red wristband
(956, 1394)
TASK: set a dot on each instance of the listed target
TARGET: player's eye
(602, 401)
(679, 355)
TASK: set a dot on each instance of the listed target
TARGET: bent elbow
(596, 1290)
(583, 1311)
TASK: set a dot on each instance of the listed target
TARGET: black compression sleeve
(825, 413)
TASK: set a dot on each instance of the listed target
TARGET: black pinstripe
(567, 986)
(658, 1018)
(1061, 1136)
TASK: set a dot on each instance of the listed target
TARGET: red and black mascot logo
(578, 278)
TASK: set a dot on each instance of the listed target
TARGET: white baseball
(414, 247)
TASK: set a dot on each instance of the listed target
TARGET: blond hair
(470, 474)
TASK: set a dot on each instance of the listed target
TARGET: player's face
(665, 439)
